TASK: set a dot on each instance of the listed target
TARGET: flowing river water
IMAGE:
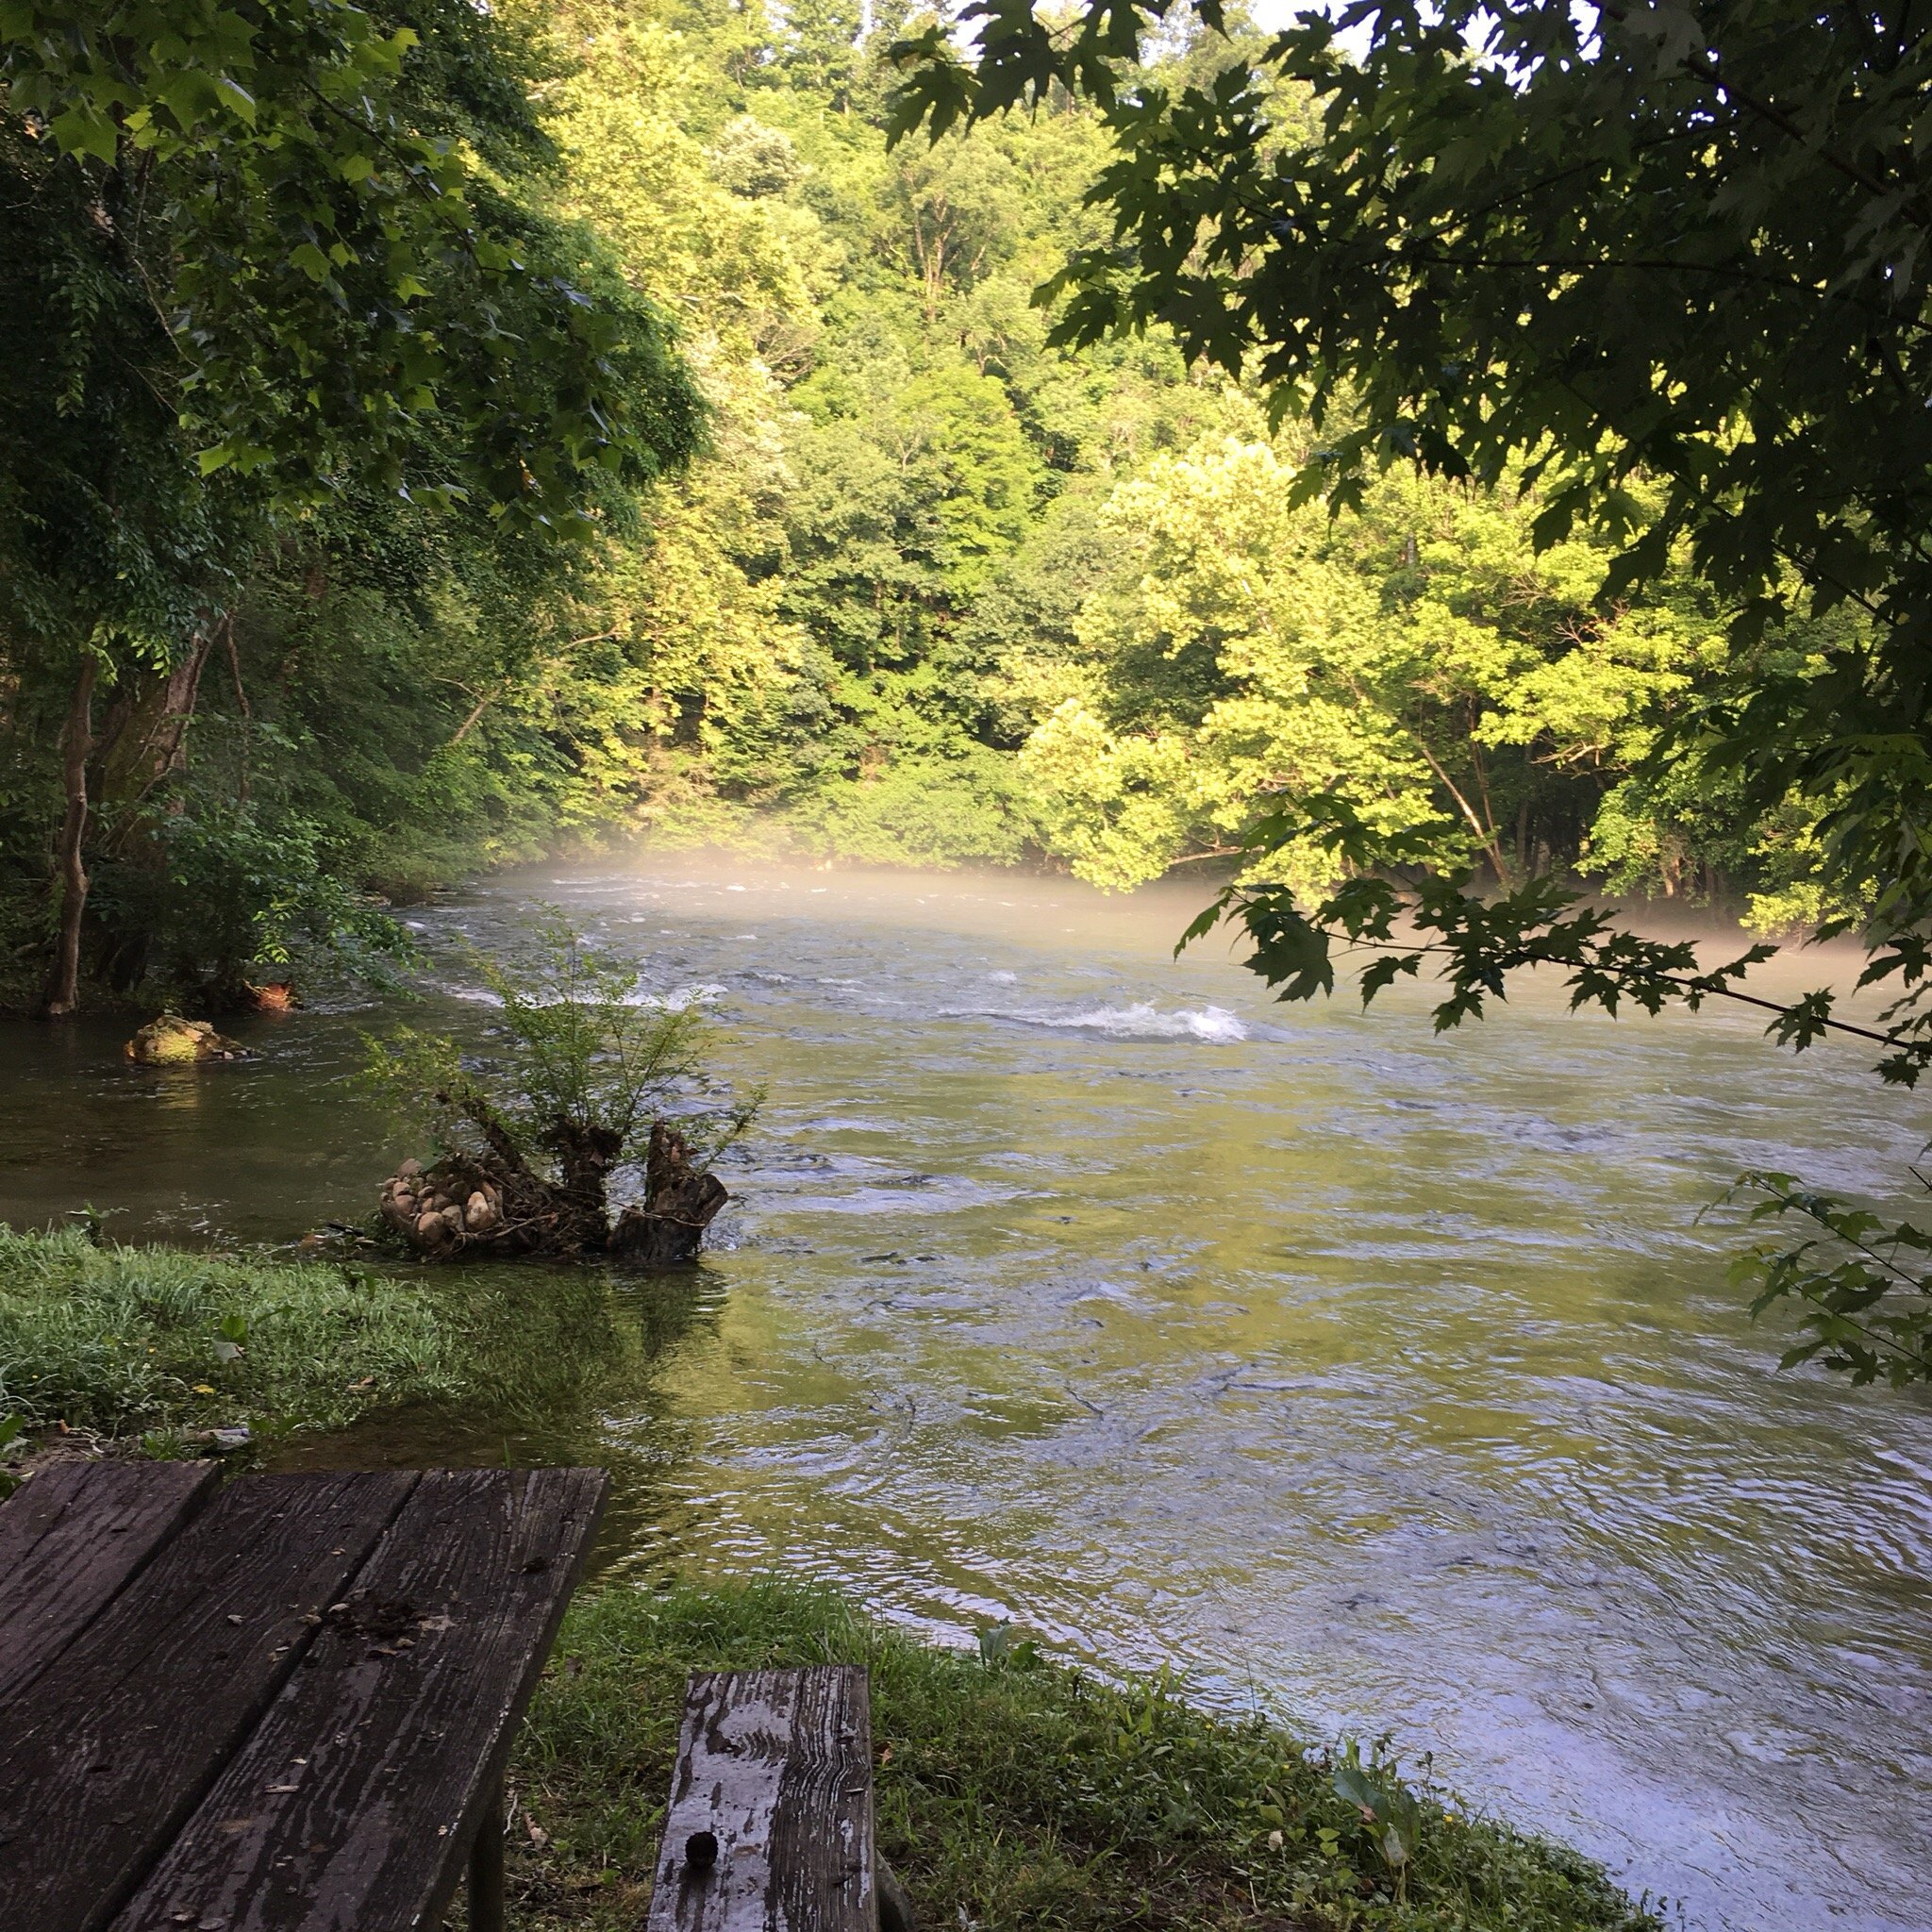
(1386, 1380)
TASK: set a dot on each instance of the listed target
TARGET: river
(1386, 1380)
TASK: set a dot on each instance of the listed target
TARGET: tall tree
(256, 253)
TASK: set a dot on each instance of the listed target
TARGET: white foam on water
(1141, 1019)
(677, 998)
(1215, 1026)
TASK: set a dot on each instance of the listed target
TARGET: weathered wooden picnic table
(771, 1826)
(281, 1704)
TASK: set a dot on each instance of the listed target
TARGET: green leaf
(310, 260)
(80, 130)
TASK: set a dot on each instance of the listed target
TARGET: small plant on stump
(577, 1080)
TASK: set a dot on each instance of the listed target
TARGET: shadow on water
(565, 1366)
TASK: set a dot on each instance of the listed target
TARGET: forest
(901, 575)
(533, 532)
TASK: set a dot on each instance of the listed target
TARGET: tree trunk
(150, 743)
(585, 1155)
(247, 710)
(679, 1204)
(62, 996)
(494, 1205)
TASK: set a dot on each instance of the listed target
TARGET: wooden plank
(70, 1537)
(354, 1803)
(111, 1746)
(776, 1765)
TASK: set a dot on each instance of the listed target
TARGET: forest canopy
(431, 434)
(1654, 271)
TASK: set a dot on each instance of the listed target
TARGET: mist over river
(1386, 1380)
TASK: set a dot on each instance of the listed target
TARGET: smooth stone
(173, 1041)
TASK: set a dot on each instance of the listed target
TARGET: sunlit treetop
(1686, 241)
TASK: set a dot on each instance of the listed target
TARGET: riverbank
(1013, 1792)
(149, 1350)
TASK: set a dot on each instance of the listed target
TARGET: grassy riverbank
(151, 1345)
(1013, 1793)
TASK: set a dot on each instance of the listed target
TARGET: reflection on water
(1383, 1378)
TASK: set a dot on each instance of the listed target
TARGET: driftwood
(493, 1204)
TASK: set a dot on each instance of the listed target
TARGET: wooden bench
(281, 1705)
(770, 1824)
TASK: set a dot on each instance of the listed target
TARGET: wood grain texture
(353, 1805)
(777, 1764)
(112, 1745)
(70, 1538)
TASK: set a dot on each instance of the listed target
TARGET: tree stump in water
(494, 1206)
(679, 1204)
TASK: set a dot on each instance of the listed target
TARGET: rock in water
(173, 1041)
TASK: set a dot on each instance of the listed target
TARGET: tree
(578, 1082)
(1655, 241)
(819, 44)
(313, 197)
(257, 254)
(1419, 657)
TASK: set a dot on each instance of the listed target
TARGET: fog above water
(1387, 1380)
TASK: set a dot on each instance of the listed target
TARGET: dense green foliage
(147, 1345)
(944, 585)
(276, 280)
(1014, 1792)
(1665, 261)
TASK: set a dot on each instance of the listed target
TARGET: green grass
(1011, 1794)
(147, 1345)
(136, 1341)
(1017, 1793)
(139, 1342)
